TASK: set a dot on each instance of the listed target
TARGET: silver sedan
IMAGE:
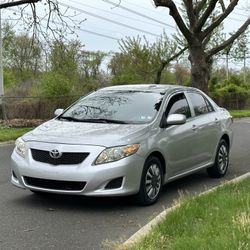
(125, 140)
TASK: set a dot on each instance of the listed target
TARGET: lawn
(240, 113)
(8, 134)
(219, 220)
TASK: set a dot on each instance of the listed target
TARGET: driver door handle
(216, 120)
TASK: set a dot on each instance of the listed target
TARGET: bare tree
(197, 32)
(54, 20)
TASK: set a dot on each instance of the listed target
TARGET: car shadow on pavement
(171, 192)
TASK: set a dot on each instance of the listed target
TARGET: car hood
(80, 133)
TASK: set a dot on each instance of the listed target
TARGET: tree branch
(223, 7)
(165, 63)
(199, 6)
(173, 11)
(190, 13)
(16, 3)
(220, 18)
(205, 15)
(230, 40)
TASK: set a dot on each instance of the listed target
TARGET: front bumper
(95, 177)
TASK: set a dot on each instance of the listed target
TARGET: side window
(178, 105)
(209, 106)
(200, 104)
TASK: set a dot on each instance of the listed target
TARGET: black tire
(220, 166)
(151, 182)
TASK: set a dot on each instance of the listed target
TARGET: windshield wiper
(69, 118)
(104, 120)
(93, 120)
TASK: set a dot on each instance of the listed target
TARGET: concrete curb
(147, 228)
(7, 143)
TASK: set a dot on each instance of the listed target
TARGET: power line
(138, 13)
(107, 19)
(99, 34)
(78, 28)
(144, 8)
(112, 13)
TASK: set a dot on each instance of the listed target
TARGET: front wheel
(220, 166)
(151, 182)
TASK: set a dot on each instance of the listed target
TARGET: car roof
(157, 88)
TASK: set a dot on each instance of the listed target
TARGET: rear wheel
(151, 182)
(220, 166)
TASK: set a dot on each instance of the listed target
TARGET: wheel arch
(161, 159)
(227, 139)
(223, 137)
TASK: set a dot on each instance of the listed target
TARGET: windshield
(115, 107)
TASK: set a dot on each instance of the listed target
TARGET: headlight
(116, 153)
(20, 147)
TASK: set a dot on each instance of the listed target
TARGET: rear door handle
(194, 127)
(216, 120)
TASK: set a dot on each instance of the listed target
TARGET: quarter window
(178, 105)
(200, 104)
(209, 106)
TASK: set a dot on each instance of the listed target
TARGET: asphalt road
(29, 221)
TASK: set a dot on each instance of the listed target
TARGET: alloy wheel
(153, 181)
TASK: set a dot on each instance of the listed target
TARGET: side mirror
(176, 119)
(58, 112)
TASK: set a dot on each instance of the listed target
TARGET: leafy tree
(140, 61)
(26, 54)
(182, 75)
(90, 63)
(63, 58)
(21, 53)
(8, 36)
(241, 50)
(202, 20)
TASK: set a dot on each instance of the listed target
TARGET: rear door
(207, 126)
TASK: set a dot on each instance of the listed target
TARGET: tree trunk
(200, 68)
(159, 73)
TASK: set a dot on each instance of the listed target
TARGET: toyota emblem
(55, 154)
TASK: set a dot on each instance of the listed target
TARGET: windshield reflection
(115, 106)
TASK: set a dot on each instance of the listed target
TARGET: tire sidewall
(221, 173)
(143, 197)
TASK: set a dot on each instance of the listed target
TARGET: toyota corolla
(125, 140)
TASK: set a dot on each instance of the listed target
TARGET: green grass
(240, 113)
(8, 134)
(219, 220)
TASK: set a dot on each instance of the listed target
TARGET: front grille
(53, 184)
(67, 158)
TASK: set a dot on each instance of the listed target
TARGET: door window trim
(170, 97)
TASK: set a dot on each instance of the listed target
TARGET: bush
(55, 84)
(231, 93)
(9, 79)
